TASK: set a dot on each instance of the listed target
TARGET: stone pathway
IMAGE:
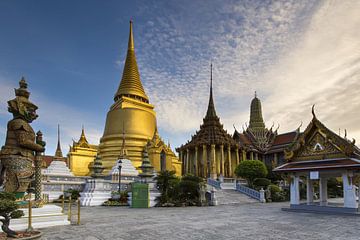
(241, 221)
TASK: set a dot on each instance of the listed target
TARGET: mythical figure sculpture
(18, 155)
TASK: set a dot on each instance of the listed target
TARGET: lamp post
(119, 167)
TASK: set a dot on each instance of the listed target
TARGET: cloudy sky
(293, 53)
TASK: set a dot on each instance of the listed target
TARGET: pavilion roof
(315, 165)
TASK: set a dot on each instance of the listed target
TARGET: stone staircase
(228, 197)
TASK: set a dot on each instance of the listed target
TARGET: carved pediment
(318, 145)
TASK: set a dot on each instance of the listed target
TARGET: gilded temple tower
(133, 118)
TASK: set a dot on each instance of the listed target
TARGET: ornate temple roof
(130, 84)
(211, 131)
(317, 133)
(319, 148)
(83, 142)
(258, 138)
(157, 143)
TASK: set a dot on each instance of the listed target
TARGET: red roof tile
(285, 138)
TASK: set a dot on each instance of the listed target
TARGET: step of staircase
(229, 197)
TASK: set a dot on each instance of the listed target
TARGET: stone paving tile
(242, 221)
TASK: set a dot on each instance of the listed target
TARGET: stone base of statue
(96, 192)
(46, 216)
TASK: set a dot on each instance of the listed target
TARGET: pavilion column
(237, 157)
(196, 170)
(187, 161)
(294, 190)
(204, 162)
(256, 156)
(309, 191)
(222, 160)
(251, 156)
(276, 159)
(229, 160)
(213, 174)
(217, 162)
(243, 155)
(323, 191)
(182, 161)
(349, 191)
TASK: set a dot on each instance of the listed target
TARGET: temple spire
(211, 113)
(130, 85)
(58, 152)
(256, 118)
(82, 136)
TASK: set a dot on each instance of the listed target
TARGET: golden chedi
(131, 114)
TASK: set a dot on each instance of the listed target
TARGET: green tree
(166, 182)
(250, 170)
(189, 189)
(8, 210)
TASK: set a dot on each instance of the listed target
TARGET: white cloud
(322, 69)
(243, 39)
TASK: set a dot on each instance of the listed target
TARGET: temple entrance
(162, 160)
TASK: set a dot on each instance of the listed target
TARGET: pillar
(349, 191)
(243, 155)
(204, 162)
(196, 170)
(237, 157)
(309, 191)
(276, 159)
(213, 174)
(256, 156)
(187, 161)
(294, 190)
(182, 161)
(229, 161)
(222, 160)
(251, 156)
(323, 191)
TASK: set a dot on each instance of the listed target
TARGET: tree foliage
(166, 183)
(176, 191)
(250, 170)
(8, 210)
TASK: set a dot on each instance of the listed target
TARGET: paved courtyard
(242, 221)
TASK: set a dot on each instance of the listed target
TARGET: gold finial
(131, 37)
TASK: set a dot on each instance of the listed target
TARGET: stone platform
(96, 192)
(47, 216)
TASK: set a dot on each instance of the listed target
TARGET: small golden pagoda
(81, 155)
(132, 114)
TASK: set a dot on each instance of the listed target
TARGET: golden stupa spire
(130, 85)
(58, 152)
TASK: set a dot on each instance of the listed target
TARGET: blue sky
(293, 53)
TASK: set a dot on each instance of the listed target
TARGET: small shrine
(320, 154)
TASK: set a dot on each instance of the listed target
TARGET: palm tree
(165, 180)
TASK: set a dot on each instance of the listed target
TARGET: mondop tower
(133, 118)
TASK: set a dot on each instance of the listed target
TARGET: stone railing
(214, 183)
(258, 195)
